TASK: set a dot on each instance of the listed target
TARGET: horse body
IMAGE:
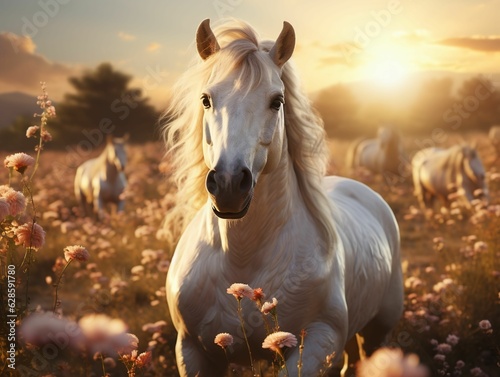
(381, 155)
(438, 172)
(326, 248)
(102, 180)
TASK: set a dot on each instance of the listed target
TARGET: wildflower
(480, 246)
(239, 290)
(76, 252)
(4, 208)
(459, 365)
(443, 348)
(485, 325)
(440, 357)
(31, 131)
(278, 340)
(104, 334)
(136, 270)
(477, 372)
(223, 340)
(19, 161)
(127, 343)
(154, 327)
(45, 135)
(30, 235)
(109, 363)
(143, 359)
(258, 295)
(452, 339)
(391, 362)
(41, 328)
(16, 200)
(268, 307)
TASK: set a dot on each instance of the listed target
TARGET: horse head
(243, 115)
(117, 153)
(473, 168)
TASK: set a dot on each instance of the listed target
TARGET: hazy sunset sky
(337, 41)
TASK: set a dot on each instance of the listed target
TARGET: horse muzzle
(230, 193)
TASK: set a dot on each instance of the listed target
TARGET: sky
(342, 41)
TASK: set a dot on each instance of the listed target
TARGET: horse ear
(206, 43)
(283, 48)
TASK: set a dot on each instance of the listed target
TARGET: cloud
(22, 69)
(479, 43)
(153, 46)
(126, 37)
(414, 36)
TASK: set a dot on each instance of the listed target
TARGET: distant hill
(15, 104)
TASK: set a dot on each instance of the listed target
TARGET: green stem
(102, 364)
(279, 352)
(240, 315)
(40, 144)
(57, 284)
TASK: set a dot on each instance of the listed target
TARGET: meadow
(451, 264)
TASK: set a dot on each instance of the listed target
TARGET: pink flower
(16, 200)
(278, 340)
(440, 358)
(4, 208)
(387, 362)
(267, 307)
(46, 136)
(443, 348)
(31, 131)
(258, 295)
(452, 339)
(239, 290)
(76, 252)
(43, 328)
(30, 235)
(106, 335)
(19, 161)
(485, 325)
(143, 359)
(223, 339)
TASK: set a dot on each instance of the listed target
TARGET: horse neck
(275, 197)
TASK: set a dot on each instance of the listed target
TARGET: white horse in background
(102, 180)
(250, 157)
(494, 137)
(440, 173)
(383, 154)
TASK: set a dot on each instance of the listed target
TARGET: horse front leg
(191, 362)
(323, 348)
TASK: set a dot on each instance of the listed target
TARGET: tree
(478, 104)
(432, 106)
(338, 108)
(103, 103)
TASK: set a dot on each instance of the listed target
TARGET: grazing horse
(250, 157)
(381, 155)
(101, 180)
(450, 174)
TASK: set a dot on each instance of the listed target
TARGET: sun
(388, 72)
(386, 65)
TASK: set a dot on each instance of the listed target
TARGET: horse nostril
(246, 180)
(211, 184)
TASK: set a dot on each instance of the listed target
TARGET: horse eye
(206, 101)
(276, 103)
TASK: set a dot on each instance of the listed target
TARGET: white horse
(102, 180)
(494, 136)
(250, 159)
(383, 154)
(439, 173)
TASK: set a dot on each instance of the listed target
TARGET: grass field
(451, 265)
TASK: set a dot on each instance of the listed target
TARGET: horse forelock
(240, 49)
